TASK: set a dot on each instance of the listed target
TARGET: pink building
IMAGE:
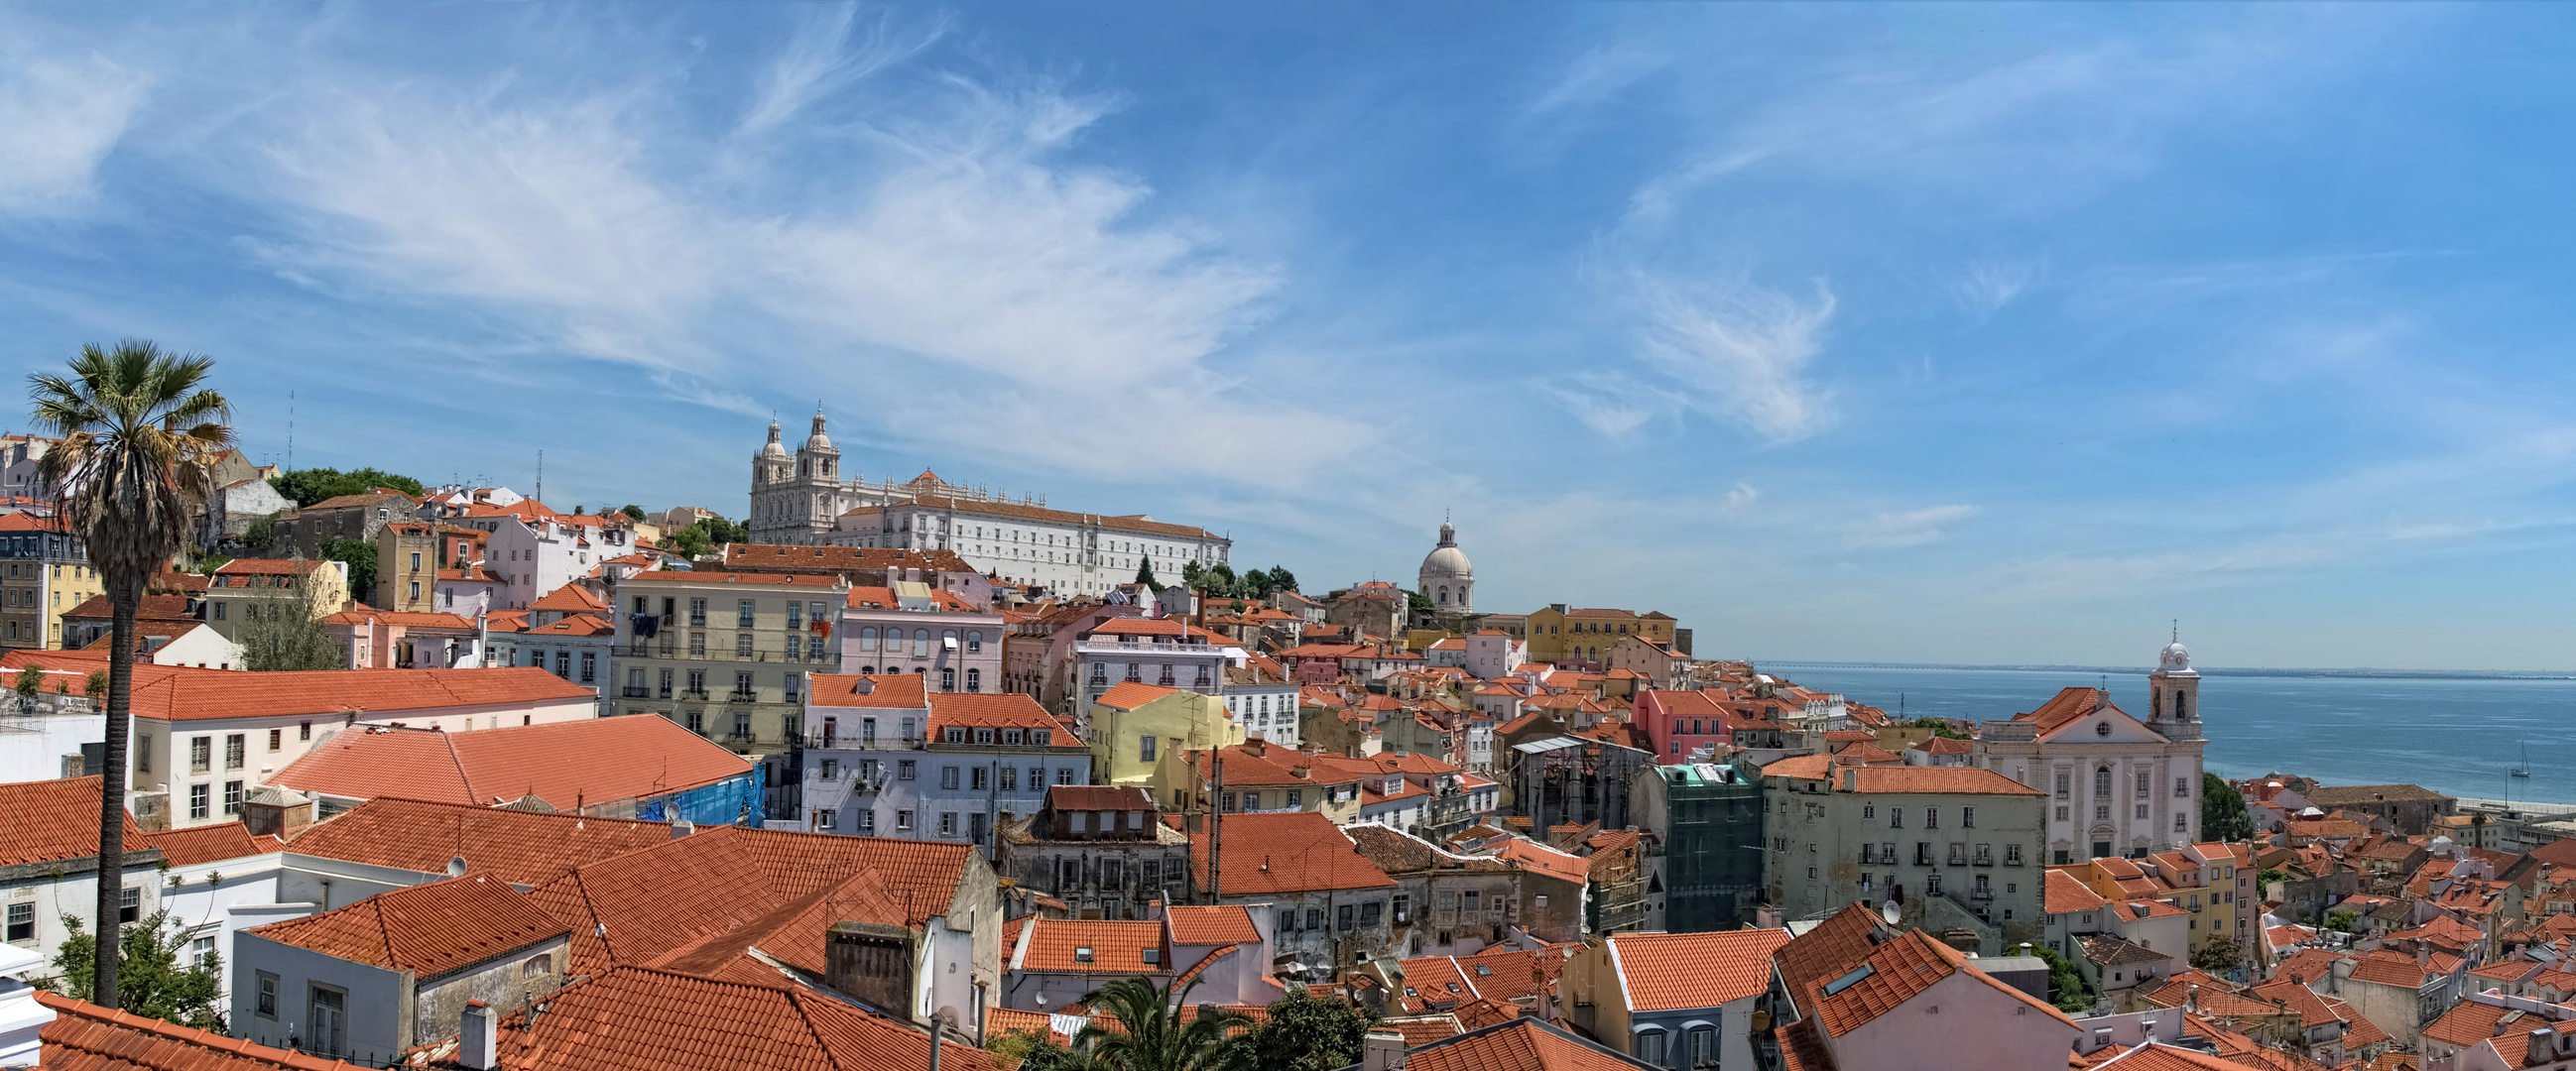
(912, 627)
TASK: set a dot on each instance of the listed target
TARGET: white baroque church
(2117, 784)
(800, 500)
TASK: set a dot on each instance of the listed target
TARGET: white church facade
(2117, 784)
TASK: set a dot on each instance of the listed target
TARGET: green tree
(259, 532)
(2223, 816)
(307, 486)
(1939, 728)
(1420, 603)
(1145, 574)
(2218, 954)
(140, 435)
(29, 685)
(1281, 580)
(2264, 878)
(361, 556)
(95, 685)
(1302, 1033)
(285, 632)
(632, 511)
(156, 976)
(2066, 987)
(2341, 921)
(1152, 1036)
(1221, 581)
(1036, 1052)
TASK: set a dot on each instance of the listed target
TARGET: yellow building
(244, 588)
(2198, 878)
(1135, 726)
(1557, 633)
(43, 572)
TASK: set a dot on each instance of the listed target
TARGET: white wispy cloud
(952, 252)
(1597, 75)
(58, 119)
(1987, 285)
(1609, 403)
(1741, 496)
(1906, 529)
(1738, 351)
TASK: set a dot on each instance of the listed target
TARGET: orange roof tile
(426, 929)
(571, 599)
(183, 693)
(1094, 947)
(520, 847)
(623, 758)
(900, 691)
(1299, 851)
(2066, 894)
(1519, 1044)
(1900, 968)
(1212, 925)
(640, 1019)
(54, 821)
(1128, 695)
(1000, 710)
(1674, 971)
(207, 844)
(1891, 780)
(86, 1037)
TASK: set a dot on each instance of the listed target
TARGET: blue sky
(1965, 334)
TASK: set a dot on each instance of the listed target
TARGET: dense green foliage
(2341, 921)
(632, 511)
(1145, 574)
(704, 535)
(305, 487)
(1037, 1053)
(1302, 1033)
(1939, 728)
(2066, 987)
(2217, 955)
(285, 632)
(361, 556)
(1153, 1036)
(155, 977)
(2223, 816)
(1221, 582)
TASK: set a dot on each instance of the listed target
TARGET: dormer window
(983, 736)
(1012, 736)
(1082, 955)
(1151, 955)
(1041, 737)
(953, 735)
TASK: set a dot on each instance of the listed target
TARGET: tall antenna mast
(541, 476)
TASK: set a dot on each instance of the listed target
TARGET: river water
(2454, 733)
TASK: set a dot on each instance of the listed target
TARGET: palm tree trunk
(125, 594)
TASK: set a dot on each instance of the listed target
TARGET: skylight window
(1849, 980)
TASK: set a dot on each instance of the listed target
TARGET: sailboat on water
(2523, 770)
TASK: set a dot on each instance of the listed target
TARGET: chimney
(2335, 975)
(682, 828)
(1382, 1050)
(1851, 779)
(2191, 999)
(2423, 954)
(476, 1045)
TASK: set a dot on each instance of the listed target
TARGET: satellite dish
(1889, 911)
(456, 867)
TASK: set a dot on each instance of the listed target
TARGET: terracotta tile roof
(405, 618)
(635, 757)
(1098, 798)
(575, 625)
(1865, 752)
(1299, 851)
(205, 844)
(1674, 971)
(1834, 946)
(2306, 965)
(2312, 1008)
(779, 556)
(1520, 1044)
(426, 929)
(268, 566)
(898, 691)
(184, 693)
(1888, 780)
(1900, 968)
(1420, 1030)
(2162, 1057)
(639, 1019)
(1211, 925)
(1004, 1021)
(998, 710)
(2066, 894)
(86, 1037)
(1061, 945)
(2467, 1023)
(152, 608)
(1128, 695)
(52, 821)
(2067, 706)
(2392, 968)
(2112, 951)
(520, 847)
(571, 599)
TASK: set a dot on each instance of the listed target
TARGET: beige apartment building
(43, 572)
(728, 655)
(1952, 847)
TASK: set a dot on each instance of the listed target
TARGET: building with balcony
(1261, 702)
(44, 572)
(1330, 904)
(884, 757)
(1103, 850)
(1161, 651)
(1954, 848)
(1138, 732)
(725, 654)
(909, 626)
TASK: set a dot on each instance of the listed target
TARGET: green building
(1707, 872)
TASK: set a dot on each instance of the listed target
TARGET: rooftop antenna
(541, 476)
(2177, 632)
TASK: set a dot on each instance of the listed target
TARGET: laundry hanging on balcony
(646, 625)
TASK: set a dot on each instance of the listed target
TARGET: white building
(1446, 578)
(1493, 654)
(2116, 785)
(1260, 702)
(803, 500)
(535, 550)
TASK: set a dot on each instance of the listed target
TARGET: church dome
(2174, 657)
(1446, 561)
(772, 448)
(818, 440)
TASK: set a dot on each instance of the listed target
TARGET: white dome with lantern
(1447, 578)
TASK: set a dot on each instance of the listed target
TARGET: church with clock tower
(2117, 783)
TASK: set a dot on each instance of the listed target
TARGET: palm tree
(139, 432)
(1152, 1037)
